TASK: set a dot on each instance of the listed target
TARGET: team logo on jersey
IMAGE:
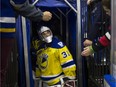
(43, 61)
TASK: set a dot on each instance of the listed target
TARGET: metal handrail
(71, 6)
(35, 2)
(25, 51)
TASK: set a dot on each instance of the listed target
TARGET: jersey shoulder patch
(56, 43)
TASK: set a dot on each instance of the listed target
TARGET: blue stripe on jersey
(8, 25)
(50, 78)
(68, 64)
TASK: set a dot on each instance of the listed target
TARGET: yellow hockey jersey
(54, 62)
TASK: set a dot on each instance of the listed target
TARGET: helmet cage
(45, 38)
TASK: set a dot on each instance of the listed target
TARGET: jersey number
(65, 54)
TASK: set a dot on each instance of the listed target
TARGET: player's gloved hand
(68, 82)
(65, 79)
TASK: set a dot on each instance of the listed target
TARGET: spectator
(104, 40)
(24, 8)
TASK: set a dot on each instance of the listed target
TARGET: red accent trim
(104, 41)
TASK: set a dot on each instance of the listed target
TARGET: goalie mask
(45, 34)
